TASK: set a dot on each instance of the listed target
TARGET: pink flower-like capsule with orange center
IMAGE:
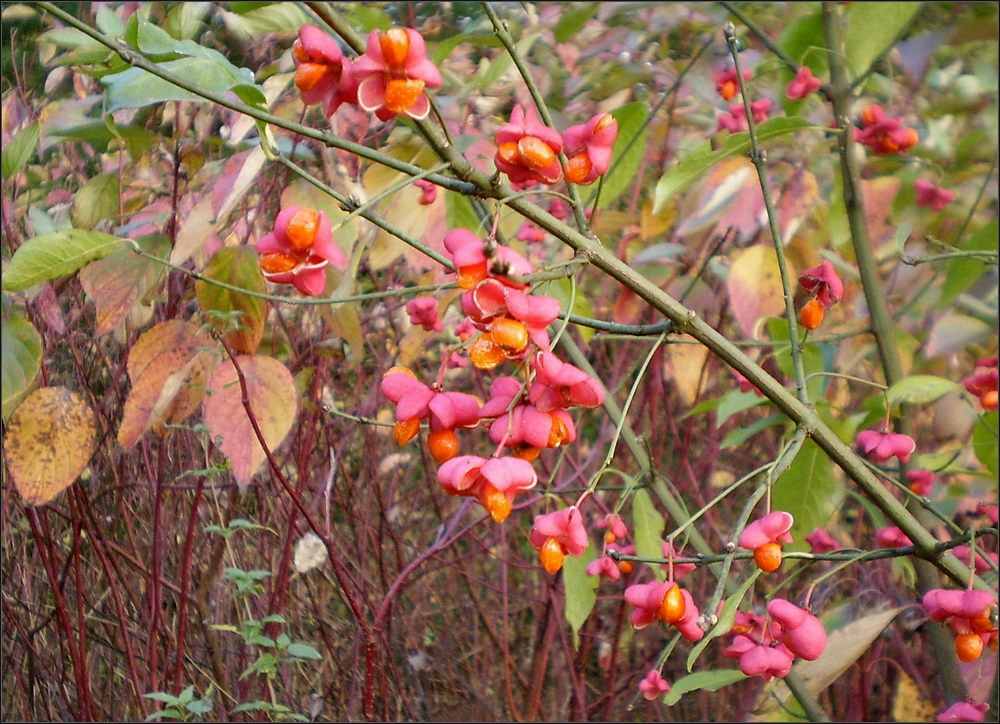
(557, 535)
(880, 446)
(493, 482)
(560, 385)
(803, 84)
(885, 134)
(473, 264)
(528, 150)
(393, 74)
(971, 614)
(319, 65)
(804, 634)
(648, 602)
(415, 401)
(727, 83)
(933, 197)
(588, 148)
(765, 536)
(823, 283)
(297, 251)
(983, 383)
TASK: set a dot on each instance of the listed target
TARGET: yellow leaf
(49, 441)
(910, 704)
(754, 287)
(685, 365)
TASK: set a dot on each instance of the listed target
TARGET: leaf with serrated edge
(48, 443)
(273, 400)
(51, 256)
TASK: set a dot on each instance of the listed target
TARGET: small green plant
(182, 707)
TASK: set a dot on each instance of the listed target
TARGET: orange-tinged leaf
(798, 198)
(726, 189)
(167, 367)
(49, 440)
(754, 287)
(273, 400)
(241, 317)
(116, 283)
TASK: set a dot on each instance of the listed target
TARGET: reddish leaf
(273, 400)
(119, 281)
(797, 201)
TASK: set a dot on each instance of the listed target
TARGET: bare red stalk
(114, 578)
(83, 676)
(182, 602)
(38, 520)
(368, 634)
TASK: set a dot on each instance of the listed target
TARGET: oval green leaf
(55, 255)
(692, 166)
(920, 389)
(21, 348)
(21, 147)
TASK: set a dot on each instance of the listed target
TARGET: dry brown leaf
(50, 438)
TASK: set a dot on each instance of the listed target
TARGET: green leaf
(735, 401)
(21, 350)
(691, 167)
(96, 201)
(707, 680)
(808, 490)
(19, 150)
(571, 23)
(963, 273)
(135, 87)
(51, 256)
(238, 316)
(459, 213)
(649, 526)
(161, 696)
(920, 389)
(984, 442)
(200, 707)
(872, 27)
(626, 154)
(581, 591)
(303, 651)
(251, 19)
